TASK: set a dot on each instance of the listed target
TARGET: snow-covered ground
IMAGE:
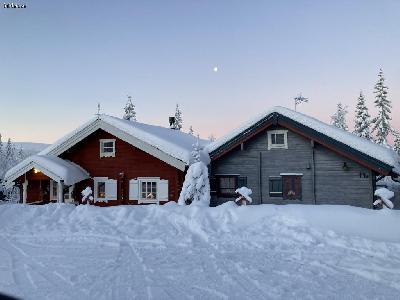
(171, 252)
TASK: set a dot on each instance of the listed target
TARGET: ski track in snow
(170, 252)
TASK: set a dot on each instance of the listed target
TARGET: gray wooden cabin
(287, 157)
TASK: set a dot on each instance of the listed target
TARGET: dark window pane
(273, 138)
(275, 187)
(101, 190)
(280, 139)
(227, 185)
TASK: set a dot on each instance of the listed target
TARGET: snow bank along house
(282, 155)
(123, 162)
(288, 157)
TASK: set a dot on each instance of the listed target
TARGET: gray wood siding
(337, 186)
(333, 184)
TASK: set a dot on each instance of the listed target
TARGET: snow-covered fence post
(87, 195)
(384, 196)
(196, 187)
(244, 196)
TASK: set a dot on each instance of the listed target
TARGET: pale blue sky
(58, 59)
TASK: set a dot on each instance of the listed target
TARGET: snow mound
(245, 192)
(363, 145)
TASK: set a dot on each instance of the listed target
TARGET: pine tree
(178, 119)
(396, 146)
(130, 113)
(10, 155)
(21, 154)
(211, 138)
(191, 131)
(339, 117)
(196, 187)
(362, 119)
(381, 124)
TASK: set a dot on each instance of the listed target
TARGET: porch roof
(54, 167)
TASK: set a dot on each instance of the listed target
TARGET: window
(107, 148)
(275, 186)
(277, 139)
(227, 185)
(149, 190)
(104, 189)
(101, 190)
(291, 186)
(54, 190)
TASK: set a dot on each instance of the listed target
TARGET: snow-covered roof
(174, 143)
(52, 166)
(378, 152)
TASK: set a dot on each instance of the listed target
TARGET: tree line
(376, 129)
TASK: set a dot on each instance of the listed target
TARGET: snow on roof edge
(362, 145)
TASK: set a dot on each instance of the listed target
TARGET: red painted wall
(129, 160)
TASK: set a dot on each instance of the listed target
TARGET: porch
(44, 179)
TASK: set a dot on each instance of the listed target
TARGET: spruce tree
(10, 155)
(339, 117)
(178, 118)
(362, 119)
(381, 124)
(396, 146)
(130, 113)
(191, 131)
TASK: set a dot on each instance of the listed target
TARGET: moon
(215, 69)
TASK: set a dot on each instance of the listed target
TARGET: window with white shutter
(133, 189)
(105, 189)
(148, 190)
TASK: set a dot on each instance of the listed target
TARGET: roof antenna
(299, 99)
(98, 110)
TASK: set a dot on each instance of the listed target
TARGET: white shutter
(133, 189)
(111, 189)
(163, 190)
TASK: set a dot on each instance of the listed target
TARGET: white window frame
(277, 146)
(107, 154)
(96, 181)
(148, 179)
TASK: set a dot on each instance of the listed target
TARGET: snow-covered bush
(87, 195)
(196, 187)
(384, 196)
(244, 195)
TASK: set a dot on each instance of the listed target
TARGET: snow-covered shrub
(384, 196)
(244, 195)
(196, 187)
(87, 195)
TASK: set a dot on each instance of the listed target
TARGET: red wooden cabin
(123, 162)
